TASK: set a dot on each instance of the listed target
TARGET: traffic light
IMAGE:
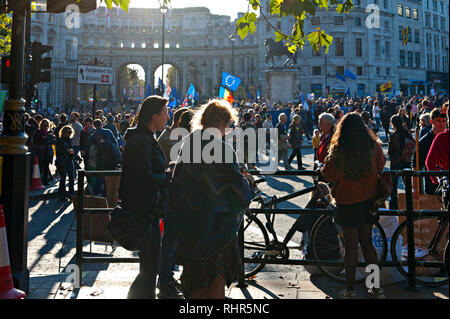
(59, 6)
(6, 69)
(38, 63)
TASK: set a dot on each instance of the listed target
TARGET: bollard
(410, 229)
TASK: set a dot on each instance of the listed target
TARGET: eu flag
(340, 77)
(230, 81)
(349, 74)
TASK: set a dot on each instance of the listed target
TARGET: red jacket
(322, 151)
(438, 155)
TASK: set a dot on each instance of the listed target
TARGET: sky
(228, 7)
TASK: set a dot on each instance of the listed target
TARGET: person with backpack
(104, 154)
(400, 150)
(354, 161)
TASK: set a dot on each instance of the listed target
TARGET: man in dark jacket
(438, 123)
(107, 154)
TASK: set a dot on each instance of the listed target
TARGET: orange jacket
(347, 191)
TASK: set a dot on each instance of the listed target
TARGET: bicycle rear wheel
(256, 243)
(327, 243)
(424, 230)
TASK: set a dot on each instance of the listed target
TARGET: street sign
(97, 75)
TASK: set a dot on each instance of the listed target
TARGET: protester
(295, 141)
(43, 140)
(376, 116)
(283, 147)
(249, 150)
(143, 177)
(425, 124)
(103, 154)
(65, 156)
(164, 139)
(438, 123)
(112, 127)
(208, 246)
(399, 156)
(316, 142)
(353, 163)
(438, 156)
(326, 126)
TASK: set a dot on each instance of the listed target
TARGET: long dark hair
(150, 106)
(397, 123)
(352, 147)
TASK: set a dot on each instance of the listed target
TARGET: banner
(340, 77)
(277, 113)
(349, 74)
(386, 86)
(226, 95)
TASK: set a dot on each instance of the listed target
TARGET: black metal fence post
(79, 212)
(241, 283)
(407, 173)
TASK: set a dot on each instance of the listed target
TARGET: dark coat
(108, 154)
(295, 135)
(143, 171)
(207, 199)
(424, 146)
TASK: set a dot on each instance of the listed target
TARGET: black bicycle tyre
(400, 268)
(323, 269)
(259, 224)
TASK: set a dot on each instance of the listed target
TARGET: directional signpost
(95, 75)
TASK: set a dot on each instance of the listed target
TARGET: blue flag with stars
(230, 81)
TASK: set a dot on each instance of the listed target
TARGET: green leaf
(278, 36)
(340, 8)
(252, 28)
(108, 4)
(124, 4)
(116, 2)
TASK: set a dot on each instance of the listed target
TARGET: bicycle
(257, 243)
(430, 249)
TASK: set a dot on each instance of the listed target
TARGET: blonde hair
(214, 113)
(66, 129)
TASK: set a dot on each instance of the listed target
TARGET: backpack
(408, 149)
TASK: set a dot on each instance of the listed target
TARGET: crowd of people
(139, 143)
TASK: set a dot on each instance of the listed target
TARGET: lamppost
(232, 38)
(163, 9)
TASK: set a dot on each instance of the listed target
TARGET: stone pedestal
(281, 85)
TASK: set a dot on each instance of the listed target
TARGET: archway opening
(132, 83)
(167, 81)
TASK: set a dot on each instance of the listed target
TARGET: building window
(407, 12)
(436, 62)
(400, 34)
(359, 70)
(315, 20)
(377, 48)
(434, 5)
(443, 42)
(358, 21)
(358, 47)
(156, 45)
(121, 44)
(385, 4)
(416, 36)
(143, 45)
(415, 14)
(338, 20)
(400, 10)
(443, 28)
(410, 59)
(417, 59)
(316, 70)
(340, 70)
(178, 46)
(388, 71)
(436, 42)
(442, 6)
(402, 57)
(388, 49)
(167, 45)
(132, 44)
(428, 36)
(378, 71)
(427, 20)
(339, 47)
(386, 24)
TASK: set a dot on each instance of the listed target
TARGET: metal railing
(410, 213)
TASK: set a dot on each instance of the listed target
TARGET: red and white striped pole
(7, 290)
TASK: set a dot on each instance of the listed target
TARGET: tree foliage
(300, 10)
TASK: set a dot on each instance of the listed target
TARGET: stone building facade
(198, 44)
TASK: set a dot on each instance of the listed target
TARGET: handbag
(127, 229)
(384, 189)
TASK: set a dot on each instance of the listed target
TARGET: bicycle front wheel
(425, 229)
(256, 243)
(327, 243)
